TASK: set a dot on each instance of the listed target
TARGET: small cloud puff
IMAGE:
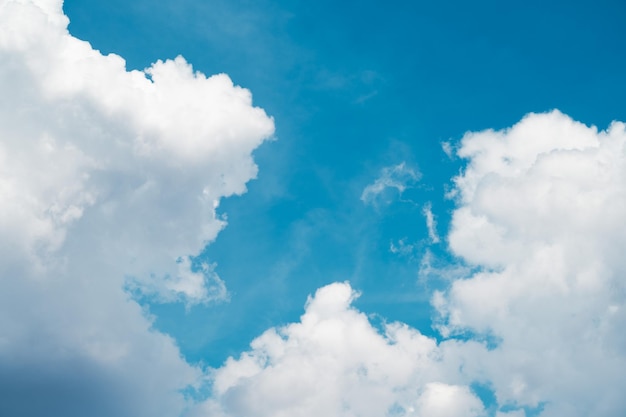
(448, 149)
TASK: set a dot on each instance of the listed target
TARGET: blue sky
(353, 88)
(360, 93)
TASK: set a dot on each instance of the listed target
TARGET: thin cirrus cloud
(536, 317)
(109, 180)
(431, 222)
(392, 182)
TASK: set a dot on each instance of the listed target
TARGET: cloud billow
(335, 363)
(540, 217)
(109, 179)
(542, 209)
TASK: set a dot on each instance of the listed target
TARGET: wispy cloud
(391, 183)
(402, 248)
(448, 149)
(431, 223)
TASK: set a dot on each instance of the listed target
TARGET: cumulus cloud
(393, 181)
(535, 312)
(335, 363)
(109, 179)
(541, 211)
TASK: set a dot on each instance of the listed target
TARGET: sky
(283, 208)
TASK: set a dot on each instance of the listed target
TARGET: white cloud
(335, 363)
(542, 209)
(441, 400)
(515, 413)
(448, 149)
(398, 177)
(437, 269)
(540, 217)
(107, 179)
(402, 248)
(431, 223)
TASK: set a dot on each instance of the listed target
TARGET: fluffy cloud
(536, 313)
(335, 363)
(397, 177)
(108, 179)
(541, 210)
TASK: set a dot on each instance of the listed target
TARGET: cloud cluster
(108, 179)
(335, 363)
(540, 218)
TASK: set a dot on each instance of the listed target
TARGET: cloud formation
(431, 222)
(541, 209)
(335, 363)
(393, 179)
(536, 317)
(108, 179)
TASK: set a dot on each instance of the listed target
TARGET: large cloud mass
(335, 363)
(108, 179)
(543, 210)
(541, 216)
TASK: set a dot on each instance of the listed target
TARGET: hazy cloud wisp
(397, 177)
